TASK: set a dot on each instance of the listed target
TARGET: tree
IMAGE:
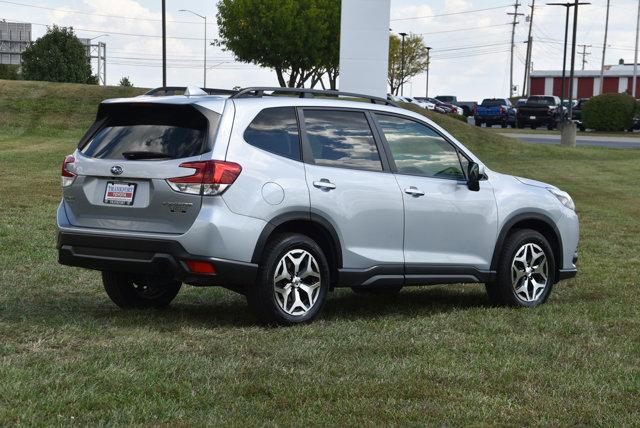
(416, 59)
(125, 82)
(9, 72)
(298, 39)
(58, 56)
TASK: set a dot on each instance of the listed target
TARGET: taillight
(474, 110)
(210, 177)
(67, 177)
(502, 110)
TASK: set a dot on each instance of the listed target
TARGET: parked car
(495, 111)
(443, 107)
(466, 106)
(576, 114)
(540, 110)
(285, 198)
(424, 104)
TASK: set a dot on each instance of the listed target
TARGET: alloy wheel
(529, 272)
(296, 282)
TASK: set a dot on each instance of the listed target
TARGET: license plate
(118, 193)
(532, 117)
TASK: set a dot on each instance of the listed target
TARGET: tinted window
(275, 130)
(149, 132)
(541, 101)
(341, 138)
(494, 103)
(418, 150)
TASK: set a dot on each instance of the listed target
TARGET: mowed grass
(433, 356)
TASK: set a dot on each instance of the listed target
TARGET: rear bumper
(148, 256)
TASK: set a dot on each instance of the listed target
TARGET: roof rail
(306, 93)
(180, 90)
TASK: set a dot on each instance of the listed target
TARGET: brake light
(502, 110)
(474, 110)
(210, 177)
(67, 177)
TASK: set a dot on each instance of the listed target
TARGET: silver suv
(284, 198)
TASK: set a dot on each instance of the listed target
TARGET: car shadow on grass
(205, 309)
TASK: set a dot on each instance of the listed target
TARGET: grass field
(436, 355)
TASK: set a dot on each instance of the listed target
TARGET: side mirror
(474, 174)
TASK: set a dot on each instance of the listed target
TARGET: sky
(470, 51)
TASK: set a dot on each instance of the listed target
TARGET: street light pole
(635, 60)
(566, 36)
(573, 55)
(426, 92)
(205, 42)
(164, 45)
(403, 35)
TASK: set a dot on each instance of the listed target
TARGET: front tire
(139, 291)
(526, 271)
(292, 282)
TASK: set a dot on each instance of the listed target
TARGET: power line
(93, 14)
(116, 33)
(452, 13)
(471, 47)
(457, 30)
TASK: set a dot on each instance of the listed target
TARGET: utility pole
(403, 35)
(164, 45)
(426, 92)
(604, 46)
(525, 84)
(635, 59)
(584, 54)
(513, 40)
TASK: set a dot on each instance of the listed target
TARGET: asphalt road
(581, 140)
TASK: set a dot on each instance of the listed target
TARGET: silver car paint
(229, 226)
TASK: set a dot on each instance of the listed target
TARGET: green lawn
(436, 355)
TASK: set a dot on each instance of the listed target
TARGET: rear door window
(341, 138)
(146, 132)
(275, 130)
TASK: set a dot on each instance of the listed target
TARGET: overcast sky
(470, 50)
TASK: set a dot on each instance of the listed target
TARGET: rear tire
(478, 124)
(384, 290)
(139, 292)
(526, 271)
(292, 283)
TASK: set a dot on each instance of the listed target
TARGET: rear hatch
(124, 161)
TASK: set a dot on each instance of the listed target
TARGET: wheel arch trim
(508, 226)
(304, 216)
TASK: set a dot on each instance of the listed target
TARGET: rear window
(147, 132)
(493, 103)
(541, 101)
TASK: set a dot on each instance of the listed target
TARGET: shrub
(609, 112)
(9, 72)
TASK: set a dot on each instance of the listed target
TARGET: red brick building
(617, 78)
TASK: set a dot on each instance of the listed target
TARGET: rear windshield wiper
(146, 155)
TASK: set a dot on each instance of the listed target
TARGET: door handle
(324, 184)
(414, 191)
